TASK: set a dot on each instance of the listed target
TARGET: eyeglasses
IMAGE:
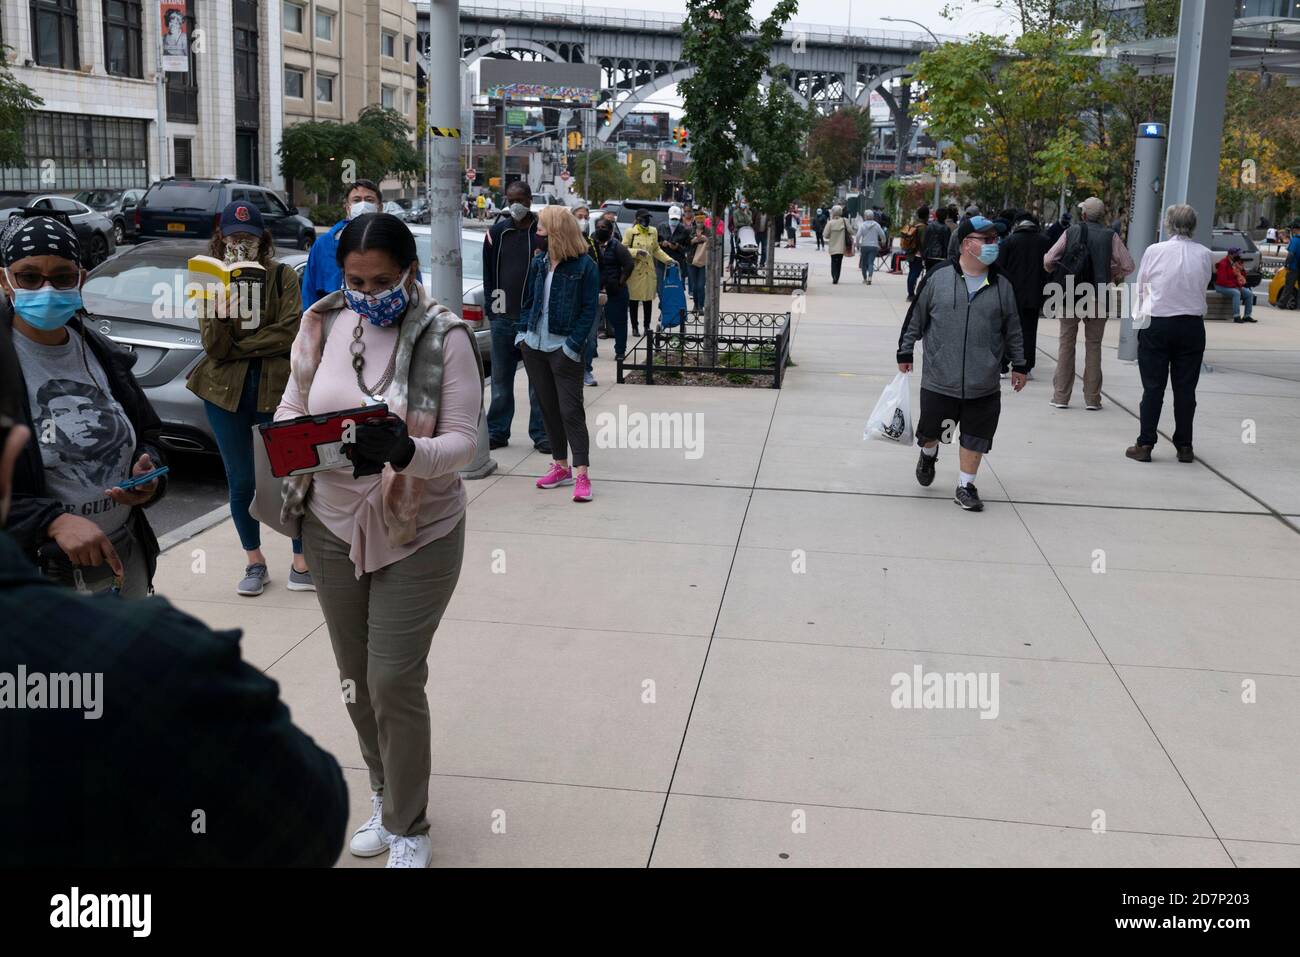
(31, 279)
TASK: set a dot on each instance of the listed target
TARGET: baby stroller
(746, 263)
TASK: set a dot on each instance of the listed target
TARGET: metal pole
(501, 146)
(162, 111)
(1144, 215)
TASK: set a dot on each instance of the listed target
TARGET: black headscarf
(38, 236)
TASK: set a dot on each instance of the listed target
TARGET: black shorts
(941, 414)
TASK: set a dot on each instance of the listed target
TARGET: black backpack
(936, 241)
(1077, 259)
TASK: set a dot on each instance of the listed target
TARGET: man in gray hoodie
(965, 313)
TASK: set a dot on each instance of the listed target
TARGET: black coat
(32, 510)
(1021, 261)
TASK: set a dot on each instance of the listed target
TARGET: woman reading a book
(248, 324)
(385, 537)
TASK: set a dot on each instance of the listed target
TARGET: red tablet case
(313, 443)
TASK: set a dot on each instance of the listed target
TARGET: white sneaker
(371, 839)
(1059, 405)
(410, 851)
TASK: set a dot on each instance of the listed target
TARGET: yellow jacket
(641, 286)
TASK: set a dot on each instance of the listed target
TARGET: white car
(471, 283)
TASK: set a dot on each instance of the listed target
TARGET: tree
(17, 101)
(608, 177)
(774, 129)
(837, 140)
(814, 185)
(326, 158)
(730, 57)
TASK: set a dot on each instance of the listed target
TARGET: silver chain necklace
(358, 350)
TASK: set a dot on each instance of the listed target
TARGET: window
(324, 88)
(62, 204)
(324, 25)
(406, 49)
(406, 102)
(293, 80)
(292, 17)
(89, 152)
(54, 33)
(387, 96)
(183, 88)
(388, 44)
(182, 157)
(246, 66)
(122, 47)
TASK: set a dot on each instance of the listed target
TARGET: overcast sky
(975, 16)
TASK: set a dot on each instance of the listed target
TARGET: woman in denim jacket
(559, 306)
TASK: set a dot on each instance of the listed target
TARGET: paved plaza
(699, 668)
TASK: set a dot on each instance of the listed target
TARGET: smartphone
(146, 478)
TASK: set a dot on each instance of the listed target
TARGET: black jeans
(837, 260)
(557, 380)
(1171, 348)
(915, 266)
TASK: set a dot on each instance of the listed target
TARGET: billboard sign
(549, 84)
(175, 39)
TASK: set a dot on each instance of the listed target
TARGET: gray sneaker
(254, 581)
(588, 379)
(300, 581)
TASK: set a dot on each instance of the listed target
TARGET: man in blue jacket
(1290, 297)
(323, 275)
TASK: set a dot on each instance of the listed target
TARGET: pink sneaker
(582, 489)
(557, 476)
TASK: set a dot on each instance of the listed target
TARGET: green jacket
(219, 376)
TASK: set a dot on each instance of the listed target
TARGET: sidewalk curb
(193, 527)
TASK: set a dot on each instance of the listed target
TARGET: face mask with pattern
(241, 250)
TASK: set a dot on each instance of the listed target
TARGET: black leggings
(557, 381)
(648, 305)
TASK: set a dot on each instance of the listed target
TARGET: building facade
(340, 56)
(95, 64)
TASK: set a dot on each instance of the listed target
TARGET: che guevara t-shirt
(85, 438)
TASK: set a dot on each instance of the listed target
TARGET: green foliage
(814, 185)
(774, 130)
(327, 157)
(837, 140)
(17, 101)
(729, 56)
(326, 214)
(608, 177)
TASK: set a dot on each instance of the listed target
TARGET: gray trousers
(381, 626)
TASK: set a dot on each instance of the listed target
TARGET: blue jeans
(867, 259)
(915, 266)
(616, 316)
(1245, 295)
(505, 359)
(234, 434)
(695, 276)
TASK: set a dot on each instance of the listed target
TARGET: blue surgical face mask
(988, 253)
(384, 309)
(46, 308)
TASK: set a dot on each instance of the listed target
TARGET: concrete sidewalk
(698, 667)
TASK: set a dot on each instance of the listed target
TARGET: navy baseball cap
(975, 224)
(241, 217)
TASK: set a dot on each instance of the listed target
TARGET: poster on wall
(175, 40)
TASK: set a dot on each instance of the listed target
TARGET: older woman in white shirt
(1171, 284)
(870, 238)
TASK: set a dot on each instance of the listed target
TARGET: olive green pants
(381, 626)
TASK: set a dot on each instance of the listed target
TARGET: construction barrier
(805, 226)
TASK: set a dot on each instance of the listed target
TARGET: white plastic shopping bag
(891, 419)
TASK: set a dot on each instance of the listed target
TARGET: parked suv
(627, 209)
(191, 208)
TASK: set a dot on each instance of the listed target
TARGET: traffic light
(609, 116)
(683, 142)
(574, 140)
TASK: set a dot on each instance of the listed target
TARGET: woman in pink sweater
(385, 538)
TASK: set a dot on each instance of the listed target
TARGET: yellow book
(209, 276)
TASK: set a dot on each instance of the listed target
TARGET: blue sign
(1156, 130)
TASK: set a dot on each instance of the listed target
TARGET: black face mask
(603, 232)
(643, 221)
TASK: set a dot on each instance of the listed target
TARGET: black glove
(379, 441)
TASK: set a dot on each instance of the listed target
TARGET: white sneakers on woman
(410, 851)
(372, 839)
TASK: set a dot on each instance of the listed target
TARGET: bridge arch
(506, 45)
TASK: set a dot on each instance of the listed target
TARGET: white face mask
(361, 207)
(586, 225)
